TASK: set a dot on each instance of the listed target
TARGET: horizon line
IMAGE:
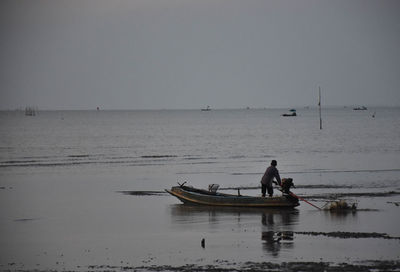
(200, 108)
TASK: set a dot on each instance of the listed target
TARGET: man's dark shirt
(269, 175)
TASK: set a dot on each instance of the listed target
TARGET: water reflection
(216, 217)
(341, 216)
(277, 226)
(277, 231)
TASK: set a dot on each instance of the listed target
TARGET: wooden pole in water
(319, 105)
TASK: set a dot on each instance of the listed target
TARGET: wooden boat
(189, 195)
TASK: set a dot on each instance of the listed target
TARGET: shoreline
(221, 265)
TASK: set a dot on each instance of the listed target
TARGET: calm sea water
(62, 174)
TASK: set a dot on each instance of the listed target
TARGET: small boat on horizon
(206, 109)
(360, 108)
(30, 111)
(194, 196)
(291, 114)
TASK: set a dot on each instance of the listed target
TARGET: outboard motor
(287, 183)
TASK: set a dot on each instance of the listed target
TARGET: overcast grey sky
(162, 54)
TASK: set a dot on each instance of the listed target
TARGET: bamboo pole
(319, 105)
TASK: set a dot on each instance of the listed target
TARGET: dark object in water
(348, 235)
(360, 108)
(25, 219)
(290, 114)
(143, 193)
(191, 195)
(203, 243)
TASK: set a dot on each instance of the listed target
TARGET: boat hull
(192, 196)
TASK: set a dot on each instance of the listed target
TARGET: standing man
(266, 181)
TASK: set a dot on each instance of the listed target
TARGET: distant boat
(206, 109)
(291, 114)
(30, 111)
(360, 108)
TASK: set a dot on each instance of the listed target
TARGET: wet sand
(249, 266)
(149, 230)
(264, 266)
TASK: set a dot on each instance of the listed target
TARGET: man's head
(274, 163)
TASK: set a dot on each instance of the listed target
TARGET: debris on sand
(347, 235)
(395, 203)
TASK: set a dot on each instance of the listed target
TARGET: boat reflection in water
(277, 225)
(277, 231)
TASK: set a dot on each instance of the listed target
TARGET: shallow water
(63, 176)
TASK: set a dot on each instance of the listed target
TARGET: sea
(85, 190)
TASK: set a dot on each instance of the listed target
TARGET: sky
(187, 54)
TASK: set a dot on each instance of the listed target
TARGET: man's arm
(278, 178)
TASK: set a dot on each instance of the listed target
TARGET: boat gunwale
(281, 201)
